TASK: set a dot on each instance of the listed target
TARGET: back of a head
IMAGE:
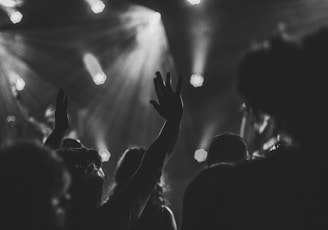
(227, 147)
(84, 165)
(285, 79)
(72, 143)
(34, 180)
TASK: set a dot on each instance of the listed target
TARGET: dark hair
(31, 177)
(87, 187)
(227, 147)
(72, 143)
(286, 79)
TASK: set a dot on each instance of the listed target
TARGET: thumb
(155, 105)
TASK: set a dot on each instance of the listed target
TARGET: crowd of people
(58, 184)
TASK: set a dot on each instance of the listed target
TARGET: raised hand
(169, 105)
(61, 117)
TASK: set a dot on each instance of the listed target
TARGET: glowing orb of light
(104, 154)
(20, 84)
(194, 2)
(196, 80)
(15, 17)
(200, 155)
(154, 22)
(97, 7)
(99, 78)
(10, 3)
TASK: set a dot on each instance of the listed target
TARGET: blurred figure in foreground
(34, 188)
(287, 189)
(199, 207)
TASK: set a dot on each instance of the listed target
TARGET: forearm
(161, 149)
(55, 139)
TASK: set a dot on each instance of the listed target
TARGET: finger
(59, 96)
(160, 81)
(158, 90)
(168, 82)
(179, 86)
(65, 102)
(155, 105)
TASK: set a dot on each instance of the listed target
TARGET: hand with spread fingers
(169, 105)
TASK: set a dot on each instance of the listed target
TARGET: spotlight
(94, 69)
(194, 2)
(104, 154)
(154, 22)
(17, 83)
(197, 80)
(20, 84)
(15, 16)
(97, 6)
(10, 3)
(99, 78)
(200, 155)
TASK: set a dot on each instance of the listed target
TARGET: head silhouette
(71, 143)
(34, 187)
(285, 79)
(84, 164)
(227, 147)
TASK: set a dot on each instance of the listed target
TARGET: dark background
(46, 49)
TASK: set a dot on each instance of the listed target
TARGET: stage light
(10, 3)
(194, 2)
(20, 84)
(154, 22)
(200, 155)
(97, 6)
(99, 78)
(15, 16)
(197, 80)
(94, 69)
(17, 82)
(104, 154)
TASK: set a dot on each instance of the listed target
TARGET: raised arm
(61, 122)
(170, 107)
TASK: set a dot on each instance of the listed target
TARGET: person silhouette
(34, 192)
(225, 152)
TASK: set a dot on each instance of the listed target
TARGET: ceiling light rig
(11, 8)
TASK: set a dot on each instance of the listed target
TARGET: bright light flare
(197, 80)
(94, 69)
(104, 154)
(194, 2)
(154, 22)
(200, 155)
(97, 6)
(10, 3)
(150, 26)
(99, 78)
(17, 82)
(15, 16)
(20, 84)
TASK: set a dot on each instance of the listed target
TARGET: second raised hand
(169, 105)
